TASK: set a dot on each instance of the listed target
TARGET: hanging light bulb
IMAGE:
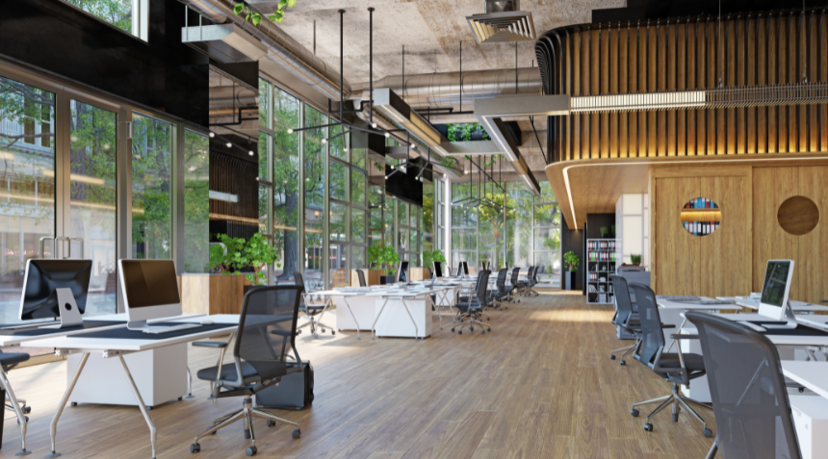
(290, 131)
(229, 145)
(324, 140)
(374, 125)
(250, 152)
(387, 135)
(212, 134)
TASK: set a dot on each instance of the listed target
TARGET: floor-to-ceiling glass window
(286, 110)
(314, 173)
(359, 208)
(196, 202)
(27, 199)
(464, 233)
(518, 224)
(547, 235)
(152, 152)
(93, 154)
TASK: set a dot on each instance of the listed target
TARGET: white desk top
(779, 340)
(813, 375)
(116, 344)
(796, 305)
(668, 304)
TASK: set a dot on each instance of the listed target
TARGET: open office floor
(540, 385)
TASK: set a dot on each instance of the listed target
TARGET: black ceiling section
(405, 186)
(162, 74)
(642, 10)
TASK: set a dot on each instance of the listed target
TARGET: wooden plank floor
(540, 385)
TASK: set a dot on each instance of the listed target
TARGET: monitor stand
(69, 313)
(137, 325)
(789, 318)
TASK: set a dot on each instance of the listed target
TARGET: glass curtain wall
(464, 231)
(152, 152)
(196, 203)
(547, 235)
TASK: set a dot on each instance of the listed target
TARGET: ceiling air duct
(502, 21)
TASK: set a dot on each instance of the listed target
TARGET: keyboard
(680, 298)
(158, 329)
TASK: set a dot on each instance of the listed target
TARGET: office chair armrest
(211, 344)
(681, 336)
(668, 326)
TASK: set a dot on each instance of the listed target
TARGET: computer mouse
(207, 322)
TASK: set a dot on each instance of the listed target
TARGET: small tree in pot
(571, 261)
(234, 254)
(388, 258)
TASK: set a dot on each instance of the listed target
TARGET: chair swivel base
(248, 412)
(675, 399)
(470, 324)
(628, 350)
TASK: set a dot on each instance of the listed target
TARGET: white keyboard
(752, 326)
(158, 329)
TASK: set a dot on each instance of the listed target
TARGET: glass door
(27, 185)
(92, 182)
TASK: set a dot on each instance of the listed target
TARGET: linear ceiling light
(389, 104)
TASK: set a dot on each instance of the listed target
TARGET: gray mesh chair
(523, 286)
(624, 316)
(472, 307)
(677, 368)
(265, 340)
(361, 276)
(312, 308)
(515, 281)
(531, 281)
(502, 295)
(750, 400)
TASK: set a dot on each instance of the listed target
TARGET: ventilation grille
(502, 27)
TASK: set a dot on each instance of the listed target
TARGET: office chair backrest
(501, 280)
(652, 335)
(750, 400)
(529, 274)
(483, 288)
(515, 275)
(299, 281)
(622, 298)
(267, 328)
(361, 276)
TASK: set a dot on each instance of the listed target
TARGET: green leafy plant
(463, 132)
(235, 254)
(430, 256)
(255, 18)
(378, 166)
(613, 229)
(571, 261)
(449, 162)
(603, 231)
(259, 254)
(387, 258)
(636, 259)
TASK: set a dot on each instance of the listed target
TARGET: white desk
(393, 324)
(357, 304)
(812, 375)
(671, 313)
(810, 413)
(118, 348)
(797, 306)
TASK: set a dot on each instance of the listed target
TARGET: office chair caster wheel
(488, 329)
(483, 332)
(296, 433)
(612, 356)
(801, 390)
(149, 407)
(24, 417)
(74, 403)
(251, 451)
(634, 413)
(472, 329)
(460, 332)
(622, 363)
(298, 332)
(27, 409)
(333, 333)
(452, 330)
(707, 433)
(195, 447)
(323, 330)
(648, 427)
(271, 423)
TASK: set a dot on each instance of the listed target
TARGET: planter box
(387, 279)
(226, 293)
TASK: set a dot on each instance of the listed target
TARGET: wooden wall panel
(677, 251)
(771, 187)
(726, 253)
(812, 265)
(694, 53)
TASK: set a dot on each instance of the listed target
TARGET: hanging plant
(241, 9)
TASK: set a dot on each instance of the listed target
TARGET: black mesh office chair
(265, 338)
(7, 362)
(472, 308)
(515, 281)
(531, 281)
(677, 368)
(750, 400)
(502, 295)
(624, 316)
(312, 308)
(522, 286)
(361, 276)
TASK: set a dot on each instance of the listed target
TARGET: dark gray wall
(572, 240)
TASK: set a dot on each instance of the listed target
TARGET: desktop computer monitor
(438, 270)
(465, 268)
(44, 277)
(776, 289)
(459, 269)
(150, 290)
(403, 272)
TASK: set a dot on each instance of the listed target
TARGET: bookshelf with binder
(601, 256)
(701, 217)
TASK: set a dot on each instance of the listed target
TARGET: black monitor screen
(776, 278)
(404, 271)
(465, 268)
(438, 270)
(150, 283)
(459, 268)
(44, 277)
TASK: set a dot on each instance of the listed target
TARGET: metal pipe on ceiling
(282, 48)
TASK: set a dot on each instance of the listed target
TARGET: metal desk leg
(436, 309)
(141, 405)
(21, 418)
(416, 331)
(374, 325)
(189, 383)
(345, 300)
(63, 401)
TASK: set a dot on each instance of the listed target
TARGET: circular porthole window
(701, 216)
(798, 215)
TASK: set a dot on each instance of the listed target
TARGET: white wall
(632, 228)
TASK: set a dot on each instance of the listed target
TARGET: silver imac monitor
(776, 290)
(402, 275)
(438, 270)
(150, 289)
(42, 280)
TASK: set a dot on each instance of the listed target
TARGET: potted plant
(604, 232)
(613, 231)
(636, 260)
(430, 256)
(234, 255)
(386, 257)
(259, 253)
(571, 261)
